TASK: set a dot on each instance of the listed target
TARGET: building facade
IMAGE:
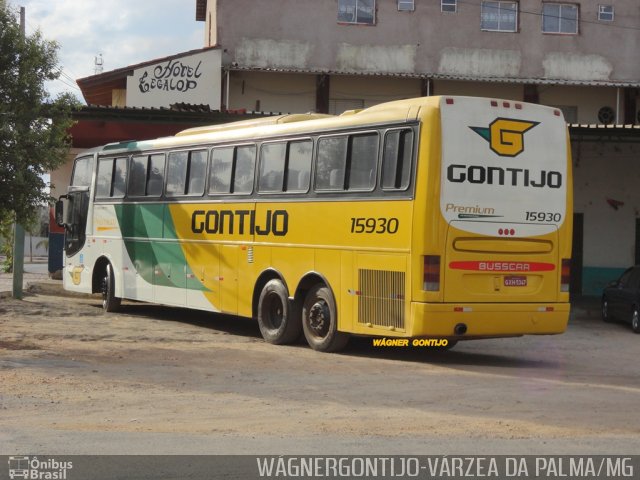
(329, 54)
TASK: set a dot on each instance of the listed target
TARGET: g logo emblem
(506, 135)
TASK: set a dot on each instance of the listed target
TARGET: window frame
(347, 162)
(149, 156)
(234, 163)
(601, 12)
(410, 5)
(560, 18)
(112, 183)
(500, 2)
(355, 21)
(449, 3)
(284, 187)
(187, 180)
(410, 166)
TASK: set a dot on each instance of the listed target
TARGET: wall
(587, 99)
(370, 90)
(427, 41)
(606, 170)
(61, 177)
(478, 89)
(272, 92)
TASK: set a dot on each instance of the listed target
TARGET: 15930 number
(543, 217)
(374, 225)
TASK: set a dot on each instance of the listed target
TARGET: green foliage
(33, 127)
(6, 244)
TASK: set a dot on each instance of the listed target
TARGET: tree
(34, 135)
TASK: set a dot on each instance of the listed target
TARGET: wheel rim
(274, 310)
(105, 289)
(319, 318)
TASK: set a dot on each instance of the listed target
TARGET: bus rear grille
(381, 298)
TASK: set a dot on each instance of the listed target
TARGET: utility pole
(18, 232)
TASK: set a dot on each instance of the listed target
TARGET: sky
(125, 32)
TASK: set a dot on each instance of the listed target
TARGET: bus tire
(635, 320)
(276, 314)
(320, 321)
(606, 315)
(110, 303)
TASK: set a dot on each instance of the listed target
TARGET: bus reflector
(431, 273)
(566, 275)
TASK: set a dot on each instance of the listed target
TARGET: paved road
(161, 380)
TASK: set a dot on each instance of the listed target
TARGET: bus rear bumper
(488, 319)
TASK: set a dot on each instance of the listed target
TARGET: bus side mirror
(62, 211)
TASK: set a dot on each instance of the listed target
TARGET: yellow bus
(437, 217)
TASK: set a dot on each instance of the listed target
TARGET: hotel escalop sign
(193, 79)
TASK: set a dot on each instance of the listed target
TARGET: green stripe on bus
(151, 242)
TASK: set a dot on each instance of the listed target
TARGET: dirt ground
(154, 379)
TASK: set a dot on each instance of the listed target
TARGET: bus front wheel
(276, 318)
(110, 303)
(320, 321)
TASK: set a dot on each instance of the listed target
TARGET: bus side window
(244, 169)
(112, 173)
(363, 156)
(197, 172)
(177, 173)
(221, 169)
(396, 160)
(331, 162)
(82, 172)
(272, 163)
(138, 176)
(156, 175)
(147, 175)
(186, 173)
(103, 181)
(119, 177)
(299, 165)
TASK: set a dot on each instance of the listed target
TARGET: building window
(357, 11)
(559, 18)
(449, 6)
(499, 16)
(406, 6)
(605, 13)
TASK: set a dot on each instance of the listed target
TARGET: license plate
(515, 281)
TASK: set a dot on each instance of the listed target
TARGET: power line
(71, 82)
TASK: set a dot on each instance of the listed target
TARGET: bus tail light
(565, 275)
(431, 273)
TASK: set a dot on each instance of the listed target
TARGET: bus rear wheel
(276, 314)
(110, 303)
(320, 321)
